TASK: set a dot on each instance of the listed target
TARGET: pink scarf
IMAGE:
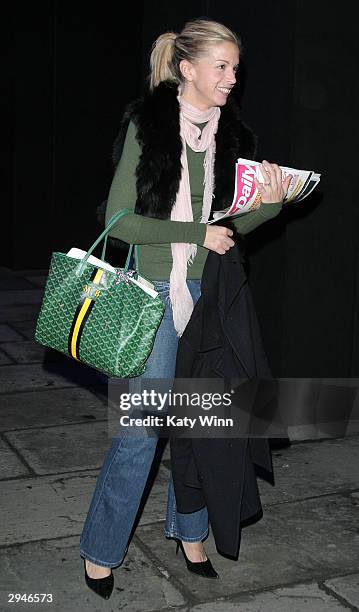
(183, 253)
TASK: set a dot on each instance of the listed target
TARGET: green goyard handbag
(102, 316)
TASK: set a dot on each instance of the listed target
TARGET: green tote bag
(102, 316)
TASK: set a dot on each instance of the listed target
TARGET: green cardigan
(155, 235)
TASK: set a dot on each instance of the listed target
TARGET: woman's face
(209, 80)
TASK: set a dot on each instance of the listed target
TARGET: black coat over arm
(222, 339)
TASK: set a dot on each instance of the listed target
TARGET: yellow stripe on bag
(80, 317)
(85, 306)
(98, 276)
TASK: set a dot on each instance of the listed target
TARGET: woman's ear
(186, 69)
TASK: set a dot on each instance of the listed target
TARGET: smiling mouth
(225, 90)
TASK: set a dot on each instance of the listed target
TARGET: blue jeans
(124, 473)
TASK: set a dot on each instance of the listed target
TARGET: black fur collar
(158, 173)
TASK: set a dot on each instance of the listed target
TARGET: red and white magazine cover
(246, 195)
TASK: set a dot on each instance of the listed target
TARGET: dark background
(72, 66)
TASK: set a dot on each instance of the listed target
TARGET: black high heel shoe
(201, 568)
(101, 586)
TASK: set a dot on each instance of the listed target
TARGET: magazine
(141, 282)
(247, 197)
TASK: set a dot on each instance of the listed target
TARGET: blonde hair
(192, 43)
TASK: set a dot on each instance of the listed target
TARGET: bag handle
(133, 247)
(114, 219)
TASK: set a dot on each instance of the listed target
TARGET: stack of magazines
(247, 197)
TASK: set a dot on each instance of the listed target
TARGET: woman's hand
(218, 239)
(274, 187)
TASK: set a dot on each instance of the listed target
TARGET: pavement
(303, 556)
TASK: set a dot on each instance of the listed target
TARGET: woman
(177, 149)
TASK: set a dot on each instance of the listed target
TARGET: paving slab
(48, 507)
(353, 428)
(45, 455)
(29, 351)
(21, 296)
(315, 468)
(7, 334)
(12, 282)
(39, 280)
(29, 272)
(55, 567)
(11, 465)
(346, 587)
(5, 359)
(50, 407)
(59, 505)
(26, 351)
(28, 377)
(19, 312)
(26, 328)
(297, 542)
(68, 448)
(301, 598)
(5, 272)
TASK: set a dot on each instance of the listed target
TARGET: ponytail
(193, 42)
(161, 59)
